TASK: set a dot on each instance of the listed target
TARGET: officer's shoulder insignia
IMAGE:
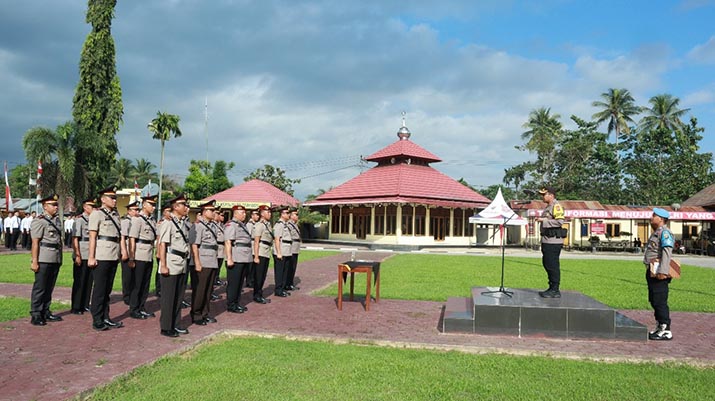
(666, 239)
(558, 211)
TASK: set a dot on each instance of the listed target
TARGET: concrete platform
(525, 313)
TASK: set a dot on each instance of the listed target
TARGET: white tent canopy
(498, 212)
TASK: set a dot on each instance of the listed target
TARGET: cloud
(700, 97)
(703, 53)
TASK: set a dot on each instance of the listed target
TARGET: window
(391, 221)
(468, 228)
(335, 221)
(458, 223)
(613, 230)
(380, 220)
(345, 222)
(420, 218)
(690, 231)
(407, 219)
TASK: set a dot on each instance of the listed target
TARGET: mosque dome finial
(403, 133)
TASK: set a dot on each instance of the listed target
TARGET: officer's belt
(50, 245)
(269, 243)
(242, 244)
(212, 247)
(144, 241)
(286, 242)
(178, 253)
(108, 238)
(296, 240)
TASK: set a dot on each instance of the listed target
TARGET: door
(439, 227)
(362, 225)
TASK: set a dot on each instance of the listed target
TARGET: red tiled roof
(406, 148)
(255, 191)
(706, 197)
(402, 183)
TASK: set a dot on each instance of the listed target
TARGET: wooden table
(359, 266)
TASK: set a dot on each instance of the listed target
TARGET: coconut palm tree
(618, 107)
(56, 150)
(663, 114)
(163, 127)
(122, 173)
(144, 171)
(544, 131)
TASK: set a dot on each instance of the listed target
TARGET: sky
(311, 86)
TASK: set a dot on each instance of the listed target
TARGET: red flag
(39, 168)
(8, 197)
(136, 189)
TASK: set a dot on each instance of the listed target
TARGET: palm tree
(618, 107)
(542, 136)
(144, 171)
(163, 126)
(663, 114)
(56, 150)
(122, 173)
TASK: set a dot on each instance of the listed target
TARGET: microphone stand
(501, 289)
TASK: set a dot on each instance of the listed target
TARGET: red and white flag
(8, 197)
(136, 189)
(39, 168)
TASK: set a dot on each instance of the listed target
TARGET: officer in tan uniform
(105, 251)
(255, 218)
(165, 216)
(281, 252)
(142, 239)
(294, 249)
(204, 244)
(46, 234)
(219, 229)
(552, 240)
(127, 268)
(173, 256)
(262, 242)
(238, 258)
(82, 283)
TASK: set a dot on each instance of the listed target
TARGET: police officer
(552, 240)
(219, 228)
(281, 252)
(262, 242)
(82, 283)
(46, 261)
(294, 249)
(127, 268)
(165, 216)
(204, 245)
(142, 239)
(659, 247)
(238, 258)
(173, 256)
(255, 218)
(105, 250)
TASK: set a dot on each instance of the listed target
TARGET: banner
(627, 214)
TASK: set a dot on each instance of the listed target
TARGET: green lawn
(617, 283)
(16, 269)
(12, 308)
(275, 369)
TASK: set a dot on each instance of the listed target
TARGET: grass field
(12, 308)
(274, 369)
(618, 283)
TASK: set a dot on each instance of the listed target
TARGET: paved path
(64, 359)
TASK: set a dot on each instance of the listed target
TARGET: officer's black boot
(552, 292)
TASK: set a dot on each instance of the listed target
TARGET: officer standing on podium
(552, 240)
(46, 261)
(105, 251)
(174, 259)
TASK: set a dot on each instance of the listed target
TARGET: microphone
(522, 202)
(529, 192)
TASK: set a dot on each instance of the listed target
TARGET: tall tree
(97, 107)
(274, 176)
(619, 108)
(205, 180)
(163, 127)
(544, 131)
(664, 114)
(55, 148)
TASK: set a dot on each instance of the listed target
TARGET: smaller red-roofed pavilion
(401, 201)
(250, 194)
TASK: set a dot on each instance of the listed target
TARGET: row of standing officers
(101, 240)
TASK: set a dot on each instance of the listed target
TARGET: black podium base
(525, 313)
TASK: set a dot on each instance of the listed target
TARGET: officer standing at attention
(46, 261)
(552, 240)
(105, 251)
(262, 242)
(281, 252)
(173, 256)
(142, 239)
(204, 245)
(219, 228)
(255, 218)
(659, 247)
(238, 258)
(127, 268)
(294, 249)
(82, 283)
(165, 216)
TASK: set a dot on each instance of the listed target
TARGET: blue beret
(661, 212)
